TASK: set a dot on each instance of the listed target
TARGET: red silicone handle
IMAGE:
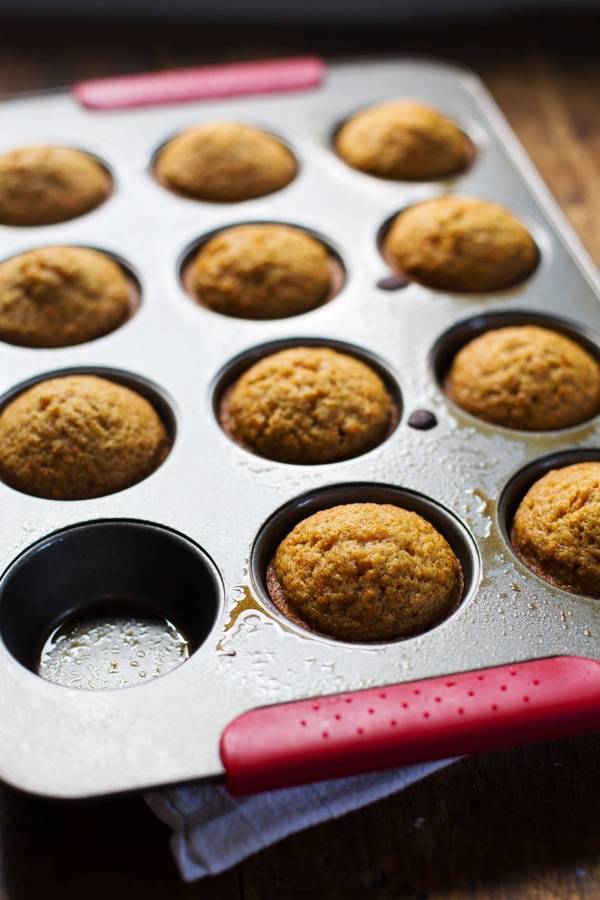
(381, 728)
(205, 83)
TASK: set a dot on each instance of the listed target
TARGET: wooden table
(524, 823)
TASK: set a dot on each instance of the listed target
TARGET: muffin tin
(193, 539)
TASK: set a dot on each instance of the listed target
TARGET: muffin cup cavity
(284, 519)
(229, 374)
(451, 341)
(103, 570)
(337, 267)
(518, 485)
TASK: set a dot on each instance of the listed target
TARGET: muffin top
(262, 271)
(525, 377)
(58, 296)
(79, 436)
(308, 405)
(44, 185)
(404, 140)
(365, 572)
(226, 162)
(460, 244)
(556, 529)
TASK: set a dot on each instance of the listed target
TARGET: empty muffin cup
(108, 603)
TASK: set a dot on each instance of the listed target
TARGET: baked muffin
(308, 405)
(404, 140)
(460, 244)
(365, 572)
(79, 436)
(225, 162)
(44, 185)
(525, 377)
(556, 529)
(262, 271)
(58, 296)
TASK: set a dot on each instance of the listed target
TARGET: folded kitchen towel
(213, 831)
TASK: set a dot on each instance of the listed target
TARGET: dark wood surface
(519, 824)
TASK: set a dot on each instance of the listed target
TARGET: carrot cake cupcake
(556, 529)
(262, 271)
(460, 244)
(79, 436)
(404, 140)
(44, 185)
(365, 572)
(226, 162)
(525, 377)
(308, 405)
(58, 296)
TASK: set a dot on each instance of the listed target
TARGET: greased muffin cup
(191, 537)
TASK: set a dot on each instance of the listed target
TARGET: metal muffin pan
(213, 498)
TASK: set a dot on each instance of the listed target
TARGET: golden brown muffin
(262, 271)
(308, 405)
(225, 162)
(525, 377)
(79, 436)
(460, 244)
(556, 529)
(404, 139)
(44, 185)
(58, 296)
(365, 572)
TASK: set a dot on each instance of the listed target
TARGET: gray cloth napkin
(213, 831)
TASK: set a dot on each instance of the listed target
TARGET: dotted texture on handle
(381, 728)
(203, 83)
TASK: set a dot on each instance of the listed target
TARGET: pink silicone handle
(205, 83)
(381, 728)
